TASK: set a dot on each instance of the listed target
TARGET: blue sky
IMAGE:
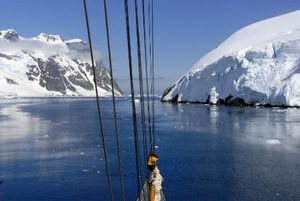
(184, 31)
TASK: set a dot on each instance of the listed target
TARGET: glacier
(257, 65)
(47, 65)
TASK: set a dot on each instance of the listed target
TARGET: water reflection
(232, 153)
(227, 153)
(42, 153)
(19, 132)
(256, 125)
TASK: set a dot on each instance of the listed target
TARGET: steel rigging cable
(114, 101)
(98, 102)
(151, 52)
(136, 141)
(140, 70)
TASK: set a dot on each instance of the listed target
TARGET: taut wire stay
(141, 85)
(134, 115)
(151, 189)
(98, 102)
(114, 101)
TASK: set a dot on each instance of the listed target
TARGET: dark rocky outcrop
(228, 101)
(11, 36)
(54, 77)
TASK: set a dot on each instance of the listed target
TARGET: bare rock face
(11, 35)
(48, 65)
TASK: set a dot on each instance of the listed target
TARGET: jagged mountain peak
(49, 66)
(10, 35)
(50, 38)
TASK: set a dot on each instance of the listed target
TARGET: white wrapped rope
(156, 180)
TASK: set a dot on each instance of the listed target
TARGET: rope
(149, 105)
(98, 102)
(114, 101)
(132, 95)
(152, 75)
(146, 151)
(142, 100)
(147, 78)
(140, 69)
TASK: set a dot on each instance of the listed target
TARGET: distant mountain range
(257, 65)
(47, 65)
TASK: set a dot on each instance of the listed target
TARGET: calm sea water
(51, 149)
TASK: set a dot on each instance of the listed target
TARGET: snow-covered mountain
(47, 65)
(259, 64)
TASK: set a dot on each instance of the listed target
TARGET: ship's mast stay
(146, 98)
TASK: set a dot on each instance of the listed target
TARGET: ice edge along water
(258, 63)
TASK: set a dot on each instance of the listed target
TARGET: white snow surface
(17, 54)
(259, 63)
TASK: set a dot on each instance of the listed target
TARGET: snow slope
(258, 63)
(47, 65)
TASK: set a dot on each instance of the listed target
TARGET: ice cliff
(257, 65)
